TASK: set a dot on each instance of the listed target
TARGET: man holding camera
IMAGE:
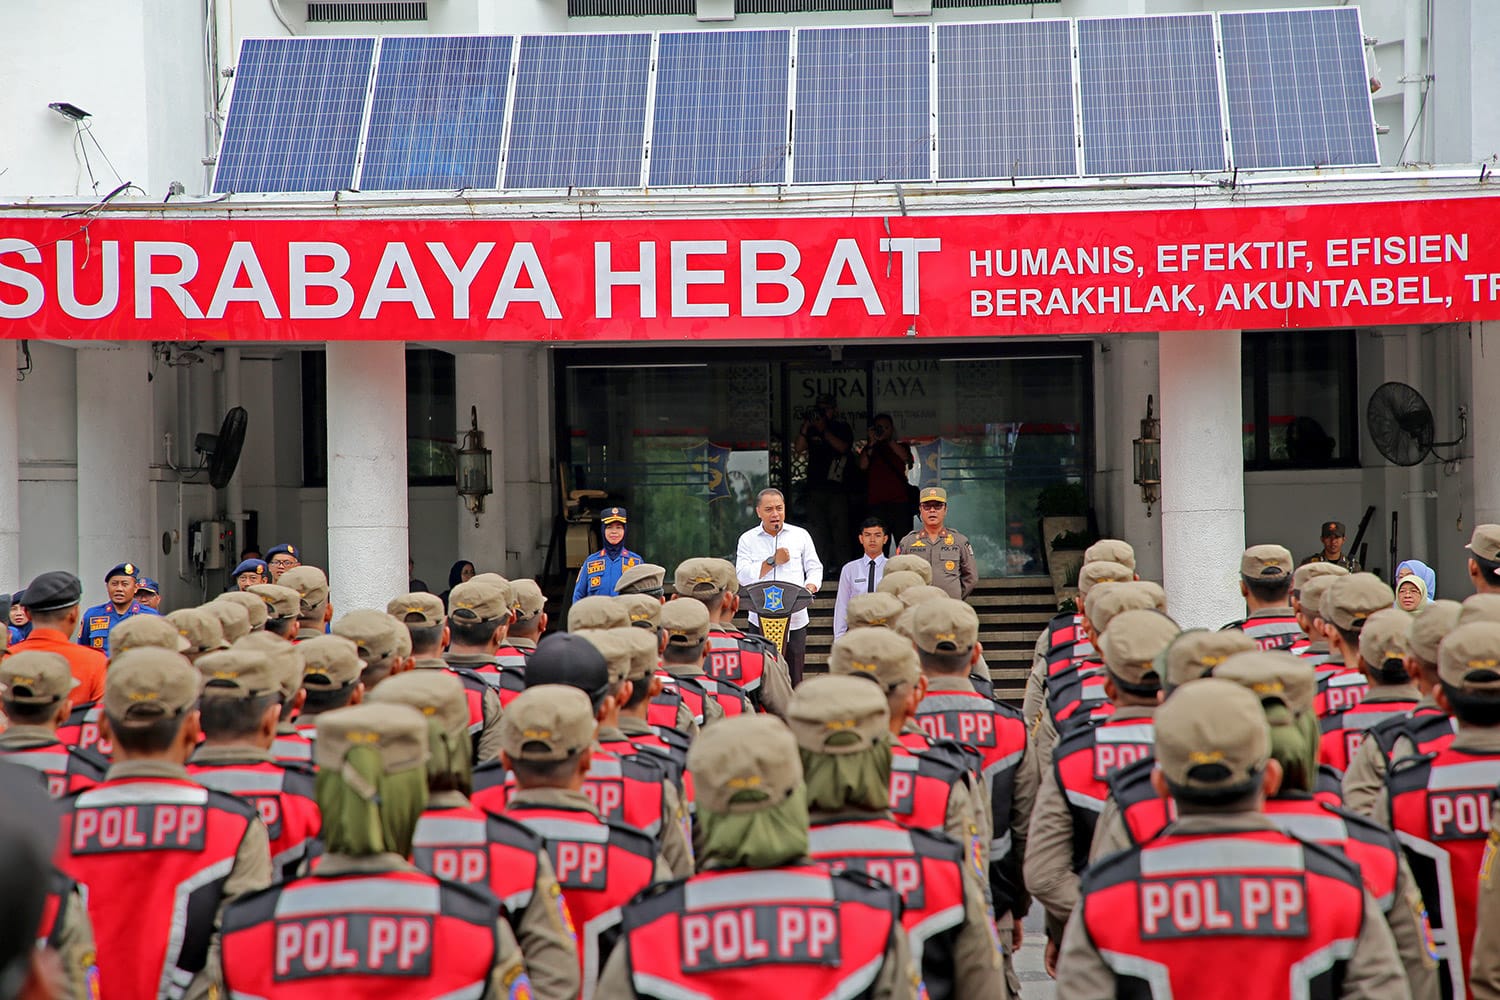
(827, 442)
(885, 462)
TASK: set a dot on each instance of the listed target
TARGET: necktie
(870, 589)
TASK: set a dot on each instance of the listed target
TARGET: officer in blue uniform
(148, 594)
(121, 582)
(601, 571)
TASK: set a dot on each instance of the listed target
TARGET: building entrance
(686, 438)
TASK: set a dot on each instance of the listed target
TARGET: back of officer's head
(842, 727)
(1213, 747)
(546, 735)
(479, 612)
(1469, 674)
(372, 778)
(34, 688)
(439, 696)
(1285, 685)
(946, 634)
(150, 704)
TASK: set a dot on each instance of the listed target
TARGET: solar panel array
(1181, 93)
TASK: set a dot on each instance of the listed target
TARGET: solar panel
(863, 105)
(1299, 93)
(1150, 95)
(580, 111)
(1005, 100)
(437, 117)
(721, 108)
(295, 115)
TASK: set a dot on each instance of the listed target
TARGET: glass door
(825, 416)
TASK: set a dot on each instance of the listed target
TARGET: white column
(10, 474)
(1484, 421)
(1202, 476)
(367, 520)
(1135, 356)
(479, 384)
(114, 462)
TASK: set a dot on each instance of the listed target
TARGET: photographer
(886, 462)
(826, 441)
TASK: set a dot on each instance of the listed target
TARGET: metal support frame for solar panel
(933, 137)
(511, 86)
(1223, 94)
(650, 124)
(1077, 97)
(791, 104)
(364, 122)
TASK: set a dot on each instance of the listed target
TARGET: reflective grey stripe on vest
(1326, 828)
(934, 703)
(845, 839)
(553, 828)
(1271, 628)
(237, 782)
(757, 887)
(351, 895)
(51, 760)
(1142, 732)
(1222, 854)
(1475, 774)
(444, 830)
(142, 793)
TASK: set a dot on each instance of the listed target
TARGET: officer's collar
(946, 683)
(29, 736)
(563, 798)
(1477, 738)
(447, 799)
(146, 769)
(234, 753)
(632, 726)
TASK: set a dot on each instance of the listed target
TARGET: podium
(774, 602)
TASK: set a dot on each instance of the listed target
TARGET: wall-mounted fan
(1400, 423)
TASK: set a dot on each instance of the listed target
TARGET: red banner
(115, 278)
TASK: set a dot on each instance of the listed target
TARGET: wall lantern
(1148, 458)
(472, 468)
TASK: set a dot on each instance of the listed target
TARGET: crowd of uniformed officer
(260, 798)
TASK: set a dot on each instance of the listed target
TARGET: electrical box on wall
(210, 543)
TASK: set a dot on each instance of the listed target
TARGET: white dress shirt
(757, 545)
(854, 579)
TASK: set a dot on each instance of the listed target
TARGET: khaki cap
(437, 694)
(139, 631)
(285, 659)
(1195, 654)
(330, 662)
(643, 610)
(944, 625)
(1266, 564)
(282, 603)
(705, 579)
(234, 618)
(377, 635)
(33, 677)
(614, 645)
(1352, 599)
(903, 625)
(597, 611)
(1429, 626)
(417, 609)
(1134, 640)
(200, 628)
(1479, 608)
(909, 564)
(932, 493)
(237, 673)
(1102, 572)
(744, 764)
(529, 599)
(644, 578)
(1108, 600)
(1384, 637)
(1211, 736)
(254, 605)
(912, 596)
(644, 654)
(1485, 542)
(1111, 550)
(477, 600)
(1273, 675)
(838, 715)
(876, 653)
(548, 722)
(311, 585)
(1303, 575)
(398, 732)
(146, 685)
(895, 583)
(685, 623)
(1314, 590)
(873, 611)
(1469, 658)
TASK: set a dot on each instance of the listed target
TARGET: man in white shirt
(862, 575)
(779, 551)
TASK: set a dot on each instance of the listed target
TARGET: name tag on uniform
(95, 624)
(469, 865)
(975, 729)
(902, 874)
(1461, 814)
(1222, 905)
(607, 795)
(578, 864)
(145, 827)
(740, 936)
(596, 566)
(375, 944)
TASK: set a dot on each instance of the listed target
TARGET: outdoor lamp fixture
(1148, 458)
(71, 112)
(472, 468)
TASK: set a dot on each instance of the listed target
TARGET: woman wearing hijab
(601, 571)
(1416, 584)
(461, 572)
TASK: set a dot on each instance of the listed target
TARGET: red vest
(293, 748)
(1077, 693)
(775, 932)
(1440, 808)
(738, 658)
(926, 870)
(283, 796)
(1273, 916)
(399, 935)
(1429, 729)
(1144, 813)
(600, 867)
(1276, 632)
(625, 790)
(1063, 631)
(921, 786)
(507, 674)
(1082, 763)
(81, 731)
(466, 844)
(66, 769)
(1343, 731)
(153, 854)
(475, 687)
(692, 692)
(1375, 850)
(1340, 691)
(667, 747)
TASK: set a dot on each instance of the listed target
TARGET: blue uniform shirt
(600, 573)
(98, 620)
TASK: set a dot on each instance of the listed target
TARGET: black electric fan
(221, 451)
(1400, 423)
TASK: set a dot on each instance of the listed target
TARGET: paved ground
(1035, 983)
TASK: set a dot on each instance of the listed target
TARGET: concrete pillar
(1484, 421)
(1135, 357)
(367, 520)
(1202, 476)
(10, 475)
(478, 384)
(114, 461)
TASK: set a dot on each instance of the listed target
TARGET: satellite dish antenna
(221, 451)
(1400, 422)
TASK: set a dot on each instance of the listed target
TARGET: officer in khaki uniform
(234, 619)
(715, 584)
(873, 611)
(139, 631)
(1137, 910)
(287, 664)
(948, 552)
(597, 611)
(548, 945)
(383, 643)
(255, 608)
(283, 604)
(842, 726)
(1484, 973)
(531, 616)
(643, 610)
(645, 663)
(684, 628)
(481, 606)
(372, 788)
(1046, 660)
(315, 610)
(201, 629)
(645, 579)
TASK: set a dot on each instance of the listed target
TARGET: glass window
(1299, 399)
